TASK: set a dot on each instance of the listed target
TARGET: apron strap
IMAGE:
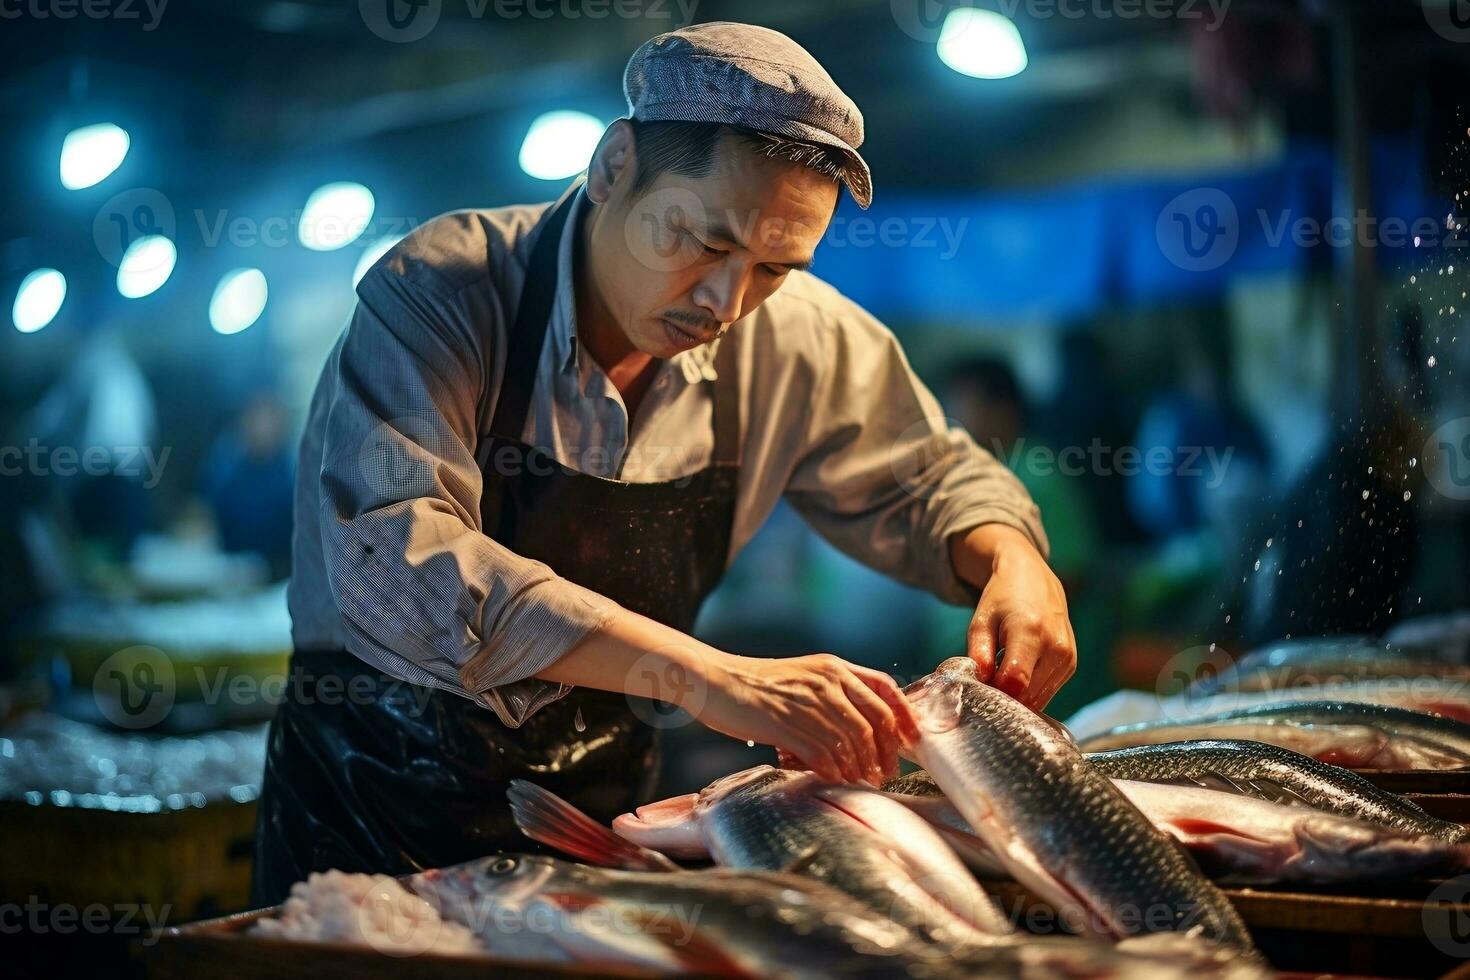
(528, 333)
(726, 397)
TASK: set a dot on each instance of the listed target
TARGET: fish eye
(503, 866)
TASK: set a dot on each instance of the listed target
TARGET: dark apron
(378, 784)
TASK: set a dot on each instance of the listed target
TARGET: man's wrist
(978, 552)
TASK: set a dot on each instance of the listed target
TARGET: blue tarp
(1070, 251)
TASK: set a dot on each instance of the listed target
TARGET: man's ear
(614, 155)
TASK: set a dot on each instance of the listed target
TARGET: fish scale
(1059, 827)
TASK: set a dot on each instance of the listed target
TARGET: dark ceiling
(229, 90)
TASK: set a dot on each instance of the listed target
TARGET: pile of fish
(775, 873)
(1354, 702)
(1024, 797)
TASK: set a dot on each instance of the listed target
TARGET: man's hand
(843, 721)
(1022, 616)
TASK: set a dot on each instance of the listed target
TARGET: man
(548, 430)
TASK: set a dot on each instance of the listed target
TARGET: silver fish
(1347, 734)
(1246, 840)
(1060, 828)
(1273, 774)
(1429, 694)
(852, 838)
(717, 922)
(1251, 841)
(1288, 665)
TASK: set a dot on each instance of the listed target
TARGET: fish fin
(545, 817)
(1258, 787)
(1270, 789)
(799, 863)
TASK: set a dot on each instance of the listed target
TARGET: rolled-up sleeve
(883, 475)
(418, 584)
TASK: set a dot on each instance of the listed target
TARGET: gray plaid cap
(743, 75)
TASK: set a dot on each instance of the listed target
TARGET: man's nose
(722, 292)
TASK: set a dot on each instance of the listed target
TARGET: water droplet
(750, 743)
(1414, 279)
(1407, 495)
(1416, 241)
(1212, 648)
(1257, 566)
(1298, 523)
(1365, 494)
(1269, 541)
(1227, 619)
(1432, 360)
(1413, 462)
(578, 722)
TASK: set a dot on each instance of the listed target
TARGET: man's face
(679, 261)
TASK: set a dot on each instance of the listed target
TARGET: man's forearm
(640, 657)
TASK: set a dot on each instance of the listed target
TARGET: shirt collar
(563, 326)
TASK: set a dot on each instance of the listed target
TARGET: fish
(1059, 827)
(1249, 841)
(769, 819)
(716, 922)
(724, 922)
(1242, 839)
(1347, 734)
(1445, 696)
(1171, 955)
(1270, 773)
(1294, 664)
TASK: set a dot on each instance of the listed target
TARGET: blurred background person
(247, 479)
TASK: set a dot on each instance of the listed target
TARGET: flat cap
(748, 76)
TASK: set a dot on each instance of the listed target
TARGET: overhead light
(335, 215)
(981, 44)
(38, 300)
(238, 301)
(371, 255)
(89, 154)
(560, 144)
(145, 266)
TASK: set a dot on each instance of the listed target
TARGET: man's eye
(708, 249)
(775, 270)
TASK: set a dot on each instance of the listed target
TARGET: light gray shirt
(390, 559)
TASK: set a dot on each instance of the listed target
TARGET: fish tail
(545, 817)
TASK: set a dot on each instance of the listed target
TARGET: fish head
(938, 698)
(668, 826)
(494, 885)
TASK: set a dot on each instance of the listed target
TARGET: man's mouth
(682, 337)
